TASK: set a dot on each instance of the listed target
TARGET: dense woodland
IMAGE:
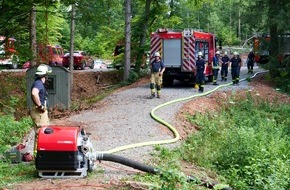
(100, 25)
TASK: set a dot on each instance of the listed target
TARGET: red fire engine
(179, 52)
(8, 55)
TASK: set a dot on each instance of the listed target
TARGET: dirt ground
(88, 84)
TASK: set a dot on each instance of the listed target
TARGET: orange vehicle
(261, 47)
(8, 53)
(50, 54)
(179, 52)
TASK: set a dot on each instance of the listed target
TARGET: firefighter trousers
(235, 75)
(155, 83)
(224, 72)
(39, 118)
(250, 65)
(200, 79)
(215, 75)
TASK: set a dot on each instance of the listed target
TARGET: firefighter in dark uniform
(200, 77)
(250, 62)
(225, 66)
(157, 69)
(216, 67)
(235, 64)
(39, 95)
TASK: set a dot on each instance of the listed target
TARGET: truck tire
(167, 82)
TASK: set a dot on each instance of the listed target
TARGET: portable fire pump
(179, 51)
(66, 152)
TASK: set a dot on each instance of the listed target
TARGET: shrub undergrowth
(247, 143)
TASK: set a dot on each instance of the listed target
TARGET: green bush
(247, 143)
(12, 132)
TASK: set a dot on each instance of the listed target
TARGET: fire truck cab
(8, 55)
(179, 51)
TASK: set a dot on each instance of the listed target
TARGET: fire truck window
(201, 45)
(54, 51)
(46, 52)
(60, 52)
(206, 46)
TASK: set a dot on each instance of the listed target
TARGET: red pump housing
(56, 138)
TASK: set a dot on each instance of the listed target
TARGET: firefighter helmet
(226, 53)
(218, 53)
(157, 54)
(199, 53)
(236, 53)
(43, 70)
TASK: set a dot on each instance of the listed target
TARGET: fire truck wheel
(168, 82)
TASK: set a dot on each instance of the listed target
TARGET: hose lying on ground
(148, 169)
(106, 156)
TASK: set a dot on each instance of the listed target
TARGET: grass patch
(13, 173)
(248, 143)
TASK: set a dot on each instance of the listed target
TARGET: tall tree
(128, 39)
(33, 35)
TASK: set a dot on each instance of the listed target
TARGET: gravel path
(125, 119)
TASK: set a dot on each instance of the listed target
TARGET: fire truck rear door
(172, 52)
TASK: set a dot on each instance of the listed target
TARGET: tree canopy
(100, 25)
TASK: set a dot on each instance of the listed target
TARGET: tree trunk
(128, 39)
(33, 35)
(72, 30)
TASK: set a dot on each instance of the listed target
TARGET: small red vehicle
(49, 54)
(81, 60)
